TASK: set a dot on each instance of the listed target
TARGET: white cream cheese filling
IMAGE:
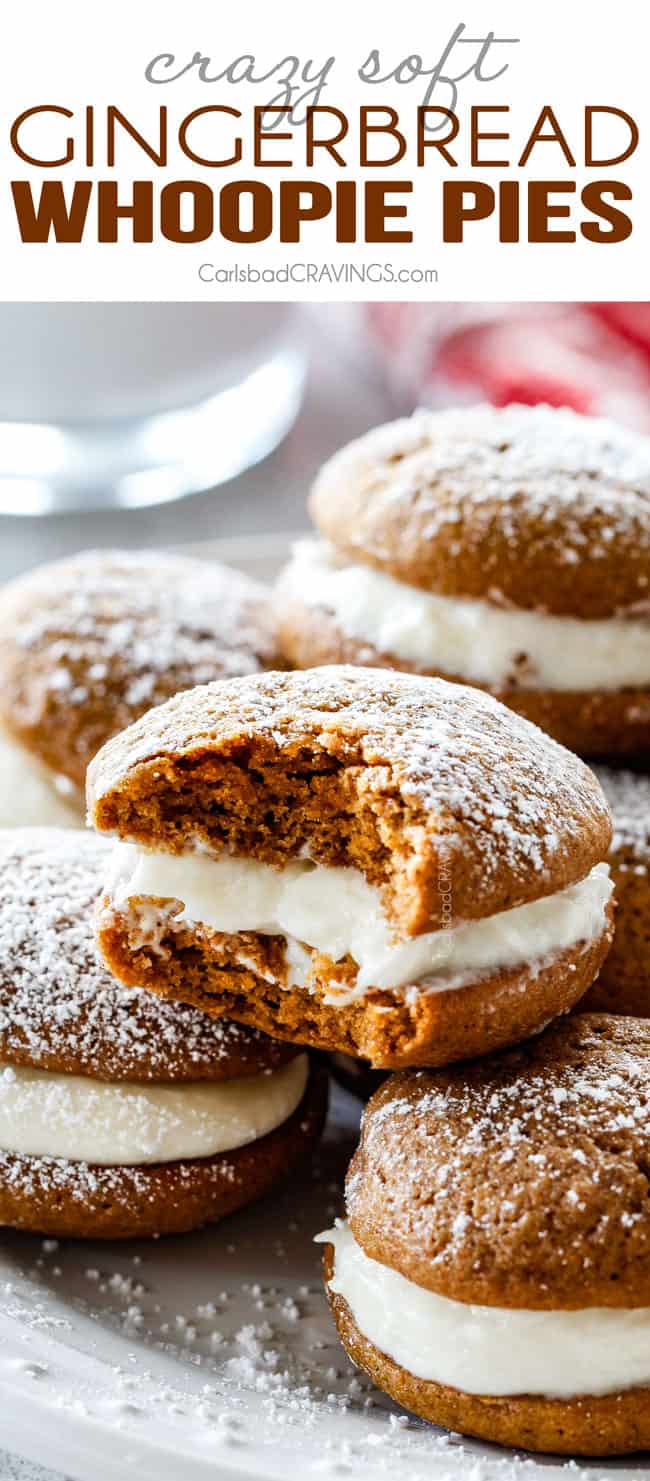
(489, 1350)
(336, 912)
(44, 1114)
(32, 796)
(465, 637)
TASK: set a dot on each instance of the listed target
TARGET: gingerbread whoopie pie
(493, 1274)
(623, 983)
(374, 863)
(122, 1115)
(89, 643)
(507, 548)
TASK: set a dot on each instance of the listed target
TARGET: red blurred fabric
(592, 357)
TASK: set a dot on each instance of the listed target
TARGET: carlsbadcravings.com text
(316, 272)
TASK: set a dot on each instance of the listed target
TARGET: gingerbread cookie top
(519, 1180)
(530, 506)
(90, 643)
(59, 1007)
(628, 794)
(434, 791)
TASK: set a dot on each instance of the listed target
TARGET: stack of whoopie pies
(119, 1115)
(493, 1271)
(355, 838)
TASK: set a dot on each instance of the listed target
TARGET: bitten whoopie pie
(367, 862)
(507, 548)
(88, 644)
(494, 1272)
(623, 983)
(121, 1114)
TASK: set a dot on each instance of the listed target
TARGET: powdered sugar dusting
(520, 439)
(217, 1349)
(485, 783)
(628, 794)
(580, 487)
(94, 641)
(528, 1171)
(146, 610)
(81, 1182)
(59, 1007)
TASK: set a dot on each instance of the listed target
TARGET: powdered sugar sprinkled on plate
(188, 1354)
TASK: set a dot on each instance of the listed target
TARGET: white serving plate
(213, 1355)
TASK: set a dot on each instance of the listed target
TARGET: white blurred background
(313, 378)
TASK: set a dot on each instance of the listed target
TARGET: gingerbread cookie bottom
(609, 1424)
(75, 1199)
(196, 965)
(591, 723)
